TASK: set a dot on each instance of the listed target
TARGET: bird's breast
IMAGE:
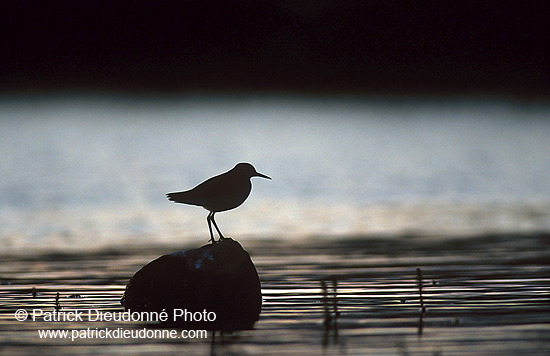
(229, 198)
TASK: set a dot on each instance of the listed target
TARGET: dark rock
(217, 278)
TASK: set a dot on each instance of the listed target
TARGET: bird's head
(246, 169)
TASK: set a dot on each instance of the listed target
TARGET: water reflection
(368, 304)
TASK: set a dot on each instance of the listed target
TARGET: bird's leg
(210, 216)
(217, 229)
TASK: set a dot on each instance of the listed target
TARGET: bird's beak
(261, 175)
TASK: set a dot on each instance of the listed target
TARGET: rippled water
(486, 295)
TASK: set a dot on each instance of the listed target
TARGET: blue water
(84, 171)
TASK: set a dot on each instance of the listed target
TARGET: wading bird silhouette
(220, 193)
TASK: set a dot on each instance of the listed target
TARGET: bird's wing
(210, 189)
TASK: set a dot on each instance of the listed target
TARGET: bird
(220, 193)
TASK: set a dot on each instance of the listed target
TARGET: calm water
(364, 191)
(83, 172)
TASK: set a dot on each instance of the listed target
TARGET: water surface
(79, 166)
(485, 295)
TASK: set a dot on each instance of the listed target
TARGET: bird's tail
(175, 197)
(180, 197)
